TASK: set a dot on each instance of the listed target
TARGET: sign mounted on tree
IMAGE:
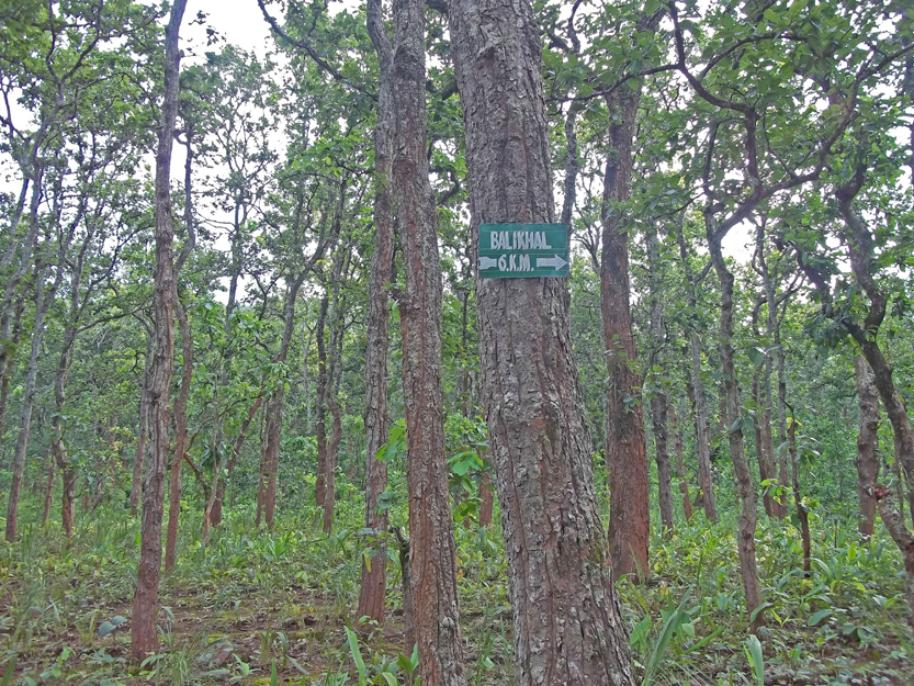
(523, 251)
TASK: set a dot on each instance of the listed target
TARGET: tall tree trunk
(139, 460)
(48, 489)
(732, 417)
(696, 389)
(333, 405)
(323, 384)
(802, 512)
(659, 399)
(143, 635)
(659, 418)
(867, 442)
(269, 459)
(432, 550)
(861, 252)
(212, 514)
(766, 470)
(187, 361)
(681, 476)
(626, 459)
(212, 511)
(58, 447)
(180, 422)
(374, 569)
(559, 573)
(776, 364)
(776, 467)
(333, 449)
(868, 400)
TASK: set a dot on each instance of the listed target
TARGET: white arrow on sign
(554, 262)
(487, 262)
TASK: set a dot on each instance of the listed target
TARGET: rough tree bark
(868, 402)
(432, 549)
(867, 458)
(142, 431)
(559, 575)
(626, 459)
(860, 250)
(143, 635)
(374, 569)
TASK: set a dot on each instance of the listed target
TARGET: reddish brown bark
(626, 459)
(432, 550)
(557, 553)
(143, 634)
(374, 567)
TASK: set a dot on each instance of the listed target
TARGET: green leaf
(816, 617)
(752, 647)
(356, 653)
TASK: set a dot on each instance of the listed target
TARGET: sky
(239, 21)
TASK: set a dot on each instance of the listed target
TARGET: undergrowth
(255, 607)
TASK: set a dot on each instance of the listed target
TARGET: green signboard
(523, 251)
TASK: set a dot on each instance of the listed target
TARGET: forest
(457, 343)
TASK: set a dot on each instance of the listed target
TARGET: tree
(374, 580)
(432, 554)
(144, 637)
(557, 555)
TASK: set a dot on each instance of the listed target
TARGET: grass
(264, 608)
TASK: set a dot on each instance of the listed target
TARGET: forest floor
(276, 608)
